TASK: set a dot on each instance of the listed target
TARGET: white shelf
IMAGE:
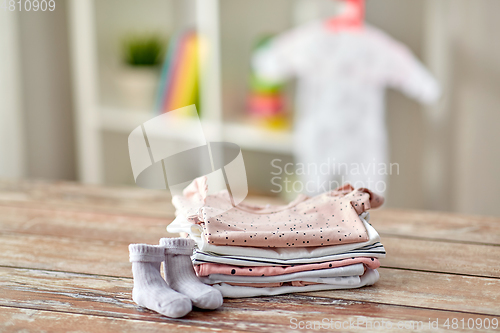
(247, 136)
(258, 138)
(92, 53)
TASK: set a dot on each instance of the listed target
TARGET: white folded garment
(376, 250)
(370, 277)
(180, 224)
(350, 271)
(337, 281)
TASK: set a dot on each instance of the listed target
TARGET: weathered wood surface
(437, 225)
(110, 297)
(100, 241)
(83, 225)
(61, 196)
(84, 255)
(89, 198)
(427, 290)
(31, 320)
(64, 266)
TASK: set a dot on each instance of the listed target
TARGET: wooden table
(64, 266)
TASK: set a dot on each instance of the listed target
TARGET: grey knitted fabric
(181, 277)
(150, 290)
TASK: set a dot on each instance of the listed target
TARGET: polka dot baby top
(327, 219)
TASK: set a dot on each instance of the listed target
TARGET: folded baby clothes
(346, 271)
(370, 277)
(376, 250)
(328, 219)
(212, 269)
(250, 256)
(182, 225)
(334, 281)
(319, 243)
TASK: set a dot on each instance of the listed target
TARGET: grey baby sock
(181, 277)
(150, 290)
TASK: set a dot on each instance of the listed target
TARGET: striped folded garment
(338, 249)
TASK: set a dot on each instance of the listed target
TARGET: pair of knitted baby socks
(182, 288)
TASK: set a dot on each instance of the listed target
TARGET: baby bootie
(150, 290)
(180, 275)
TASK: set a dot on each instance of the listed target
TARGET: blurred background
(75, 81)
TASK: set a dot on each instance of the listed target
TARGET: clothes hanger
(351, 19)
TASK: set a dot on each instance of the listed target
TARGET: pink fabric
(272, 284)
(210, 268)
(257, 285)
(327, 219)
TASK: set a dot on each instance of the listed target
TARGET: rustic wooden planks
(437, 225)
(31, 320)
(62, 292)
(396, 287)
(64, 264)
(34, 320)
(78, 197)
(428, 255)
(65, 254)
(83, 254)
(124, 200)
(83, 225)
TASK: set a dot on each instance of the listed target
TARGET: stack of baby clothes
(314, 243)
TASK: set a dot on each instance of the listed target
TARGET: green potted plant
(141, 58)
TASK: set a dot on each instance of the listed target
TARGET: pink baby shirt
(211, 268)
(327, 219)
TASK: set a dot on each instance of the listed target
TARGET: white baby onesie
(340, 118)
(350, 272)
(228, 291)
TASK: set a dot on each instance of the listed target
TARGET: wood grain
(125, 200)
(64, 266)
(31, 320)
(122, 200)
(131, 200)
(412, 253)
(83, 225)
(436, 225)
(110, 297)
(395, 287)
(437, 256)
(432, 290)
(65, 254)
(107, 257)
(74, 196)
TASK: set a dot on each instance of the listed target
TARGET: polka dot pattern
(273, 284)
(212, 268)
(328, 219)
